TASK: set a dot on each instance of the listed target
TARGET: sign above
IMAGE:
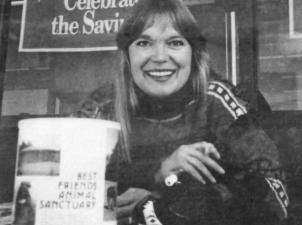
(71, 25)
(74, 25)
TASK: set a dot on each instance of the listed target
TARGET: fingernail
(213, 180)
(222, 171)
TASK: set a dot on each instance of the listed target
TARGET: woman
(187, 143)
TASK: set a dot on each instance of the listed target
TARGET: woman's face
(160, 59)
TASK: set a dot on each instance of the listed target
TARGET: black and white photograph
(151, 112)
(38, 161)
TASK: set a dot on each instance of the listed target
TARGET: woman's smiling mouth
(160, 75)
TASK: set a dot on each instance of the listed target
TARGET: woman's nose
(159, 53)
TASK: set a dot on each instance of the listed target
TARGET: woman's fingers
(190, 169)
(124, 220)
(207, 161)
(207, 149)
(195, 159)
(127, 201)
(198, 167)
(213, 164)
(125, 211)
(203, 153)
(130, 196)
(126, 198)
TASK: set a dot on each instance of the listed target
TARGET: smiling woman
(189, 152)
(160, 59)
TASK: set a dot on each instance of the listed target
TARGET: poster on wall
(71, 25)
(74, 25)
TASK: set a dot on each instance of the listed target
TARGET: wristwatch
(171, 180)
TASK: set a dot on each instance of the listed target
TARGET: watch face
(171, 180)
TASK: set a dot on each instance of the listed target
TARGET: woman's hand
(127, 201)
(194, 159)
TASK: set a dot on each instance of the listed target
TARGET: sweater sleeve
(245, 145)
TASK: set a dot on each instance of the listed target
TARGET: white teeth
(160, 73)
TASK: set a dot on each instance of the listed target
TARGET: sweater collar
(163, 108)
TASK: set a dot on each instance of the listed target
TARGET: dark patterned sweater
(251, 191)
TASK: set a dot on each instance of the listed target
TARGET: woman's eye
(176, 43)
(143, 43)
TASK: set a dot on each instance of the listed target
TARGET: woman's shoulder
(96, 105)
(221, 97)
